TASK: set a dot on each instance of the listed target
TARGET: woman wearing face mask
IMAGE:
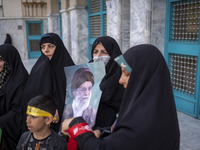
(105, 49)
(13, 74)
(47, 75)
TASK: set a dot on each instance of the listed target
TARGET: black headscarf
(10, 96)
(60, 59)
(47, 76)
(8, 39)
(112, 91)
(147, 118)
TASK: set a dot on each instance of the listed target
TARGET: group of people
(136, 108)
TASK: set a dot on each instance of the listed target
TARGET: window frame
(189, 104)
(33, 54)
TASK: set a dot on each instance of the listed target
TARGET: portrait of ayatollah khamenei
(82, 91)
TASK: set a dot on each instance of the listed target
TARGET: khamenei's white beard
(79, 106)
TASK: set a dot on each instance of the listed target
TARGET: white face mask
(105, 59)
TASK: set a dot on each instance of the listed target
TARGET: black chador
(12, 79)
(47, 76)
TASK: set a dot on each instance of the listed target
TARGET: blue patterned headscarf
(122, 62)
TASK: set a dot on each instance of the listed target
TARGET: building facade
(130, 22)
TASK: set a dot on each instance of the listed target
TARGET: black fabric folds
(10, 96)
(147, 118)
(48, 77)
(112, 91)
(8, 39)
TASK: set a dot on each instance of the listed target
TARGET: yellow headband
(33, 111)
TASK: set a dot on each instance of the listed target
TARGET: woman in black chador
(12, 77)
(105, 49)
(147, 117)
(47, 75)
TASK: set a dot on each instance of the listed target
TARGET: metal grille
(34, 46)
(183, 72)
(95, 6)
(34, 29)
(98, 18)
(185, 20)
(95, 26)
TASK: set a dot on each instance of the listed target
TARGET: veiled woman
(147, 117)
(105, 49)
(13, 75)
(47, 75)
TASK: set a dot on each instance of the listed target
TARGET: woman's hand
(65, 126)
(97, 133)
(56, 116)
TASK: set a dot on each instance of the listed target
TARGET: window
(182, 52)
(97, 20)
(34, 32)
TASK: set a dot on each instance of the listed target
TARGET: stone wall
(158, 24)
(129, 22)
(133, 22)
(75, 32)
(125, 35)
(16, 27)
(53, 23)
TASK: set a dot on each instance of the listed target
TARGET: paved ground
(189, 126)
(190, 132)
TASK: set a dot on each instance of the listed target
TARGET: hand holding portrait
(65, 126)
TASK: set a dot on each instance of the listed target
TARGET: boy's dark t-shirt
(34, 144)
(55, 142)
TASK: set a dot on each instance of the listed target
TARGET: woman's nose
(121, 80)
(46, 49)
(98, 54)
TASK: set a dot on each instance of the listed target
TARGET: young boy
(40, 112)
